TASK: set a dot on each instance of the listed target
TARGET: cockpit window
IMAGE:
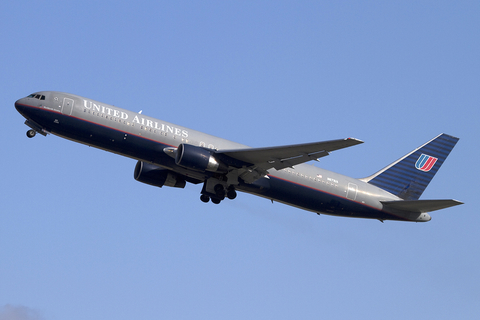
(37, 96)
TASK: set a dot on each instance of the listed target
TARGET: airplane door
(67, 107)
(352, 191)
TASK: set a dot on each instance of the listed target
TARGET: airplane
(171, 155)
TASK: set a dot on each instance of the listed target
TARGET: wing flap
(420, 206)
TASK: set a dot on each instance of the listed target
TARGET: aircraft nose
(20, 105)
(24, 105)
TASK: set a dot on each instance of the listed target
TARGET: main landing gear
(31, 133)
(219, 195)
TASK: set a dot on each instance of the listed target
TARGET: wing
(257, 161)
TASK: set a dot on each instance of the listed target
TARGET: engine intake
(155, 176)
(198, 159)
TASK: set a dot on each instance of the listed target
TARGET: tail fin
(408, 177)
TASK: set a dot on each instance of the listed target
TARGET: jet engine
(155, 176)
(196, 158)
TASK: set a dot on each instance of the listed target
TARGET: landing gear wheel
(231, 194)
(31, 133)
(204, 198)
(220, 191)
(216, 200)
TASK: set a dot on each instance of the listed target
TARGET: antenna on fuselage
(140, 112)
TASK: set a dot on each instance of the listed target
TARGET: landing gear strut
(220, 191)
(31, 133)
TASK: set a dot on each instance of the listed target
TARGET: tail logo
(425, 163)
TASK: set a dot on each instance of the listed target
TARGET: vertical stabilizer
(408, 177)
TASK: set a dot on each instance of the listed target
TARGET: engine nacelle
(198, 159)
(155, 176)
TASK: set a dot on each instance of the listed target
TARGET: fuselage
(144, 138)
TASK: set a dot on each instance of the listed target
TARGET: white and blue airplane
(171, 155)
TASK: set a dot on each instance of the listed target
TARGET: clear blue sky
(80, 239)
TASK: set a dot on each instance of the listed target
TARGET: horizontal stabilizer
(419, 206)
